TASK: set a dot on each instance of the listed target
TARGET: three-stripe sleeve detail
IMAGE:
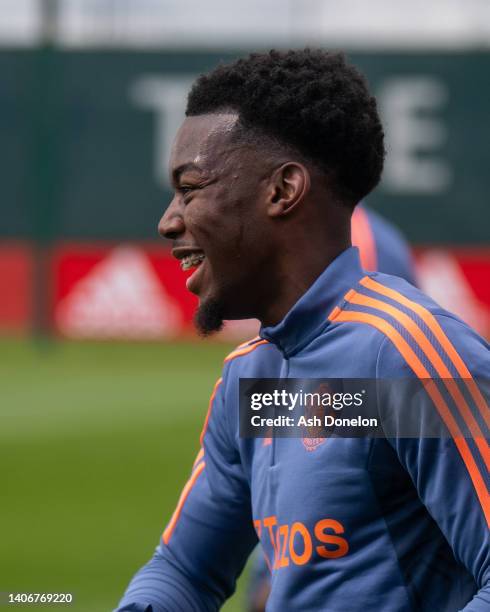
(429, 319)
(415, 336)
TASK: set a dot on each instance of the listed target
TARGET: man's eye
(186, 189)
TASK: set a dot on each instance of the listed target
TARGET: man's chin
(209, 317)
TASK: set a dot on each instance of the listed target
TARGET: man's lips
(182, 251)
(191, 257)
(194, 282)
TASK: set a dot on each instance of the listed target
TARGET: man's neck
(293, 279)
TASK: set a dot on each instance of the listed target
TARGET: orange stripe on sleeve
(184, 495)
(433, 356)
(200, 455)
(244, 351)
(210, 407)
(246, 343)
(197, 468)
(432, 323)
(199, 464)
(418, 368)
(334, 313)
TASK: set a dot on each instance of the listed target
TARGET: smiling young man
(274, 153)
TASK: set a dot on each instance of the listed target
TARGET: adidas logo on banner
(121, 297)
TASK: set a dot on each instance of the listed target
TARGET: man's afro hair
(309, 99)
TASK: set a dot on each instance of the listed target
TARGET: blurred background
(103, 385)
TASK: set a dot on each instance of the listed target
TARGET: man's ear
(288, 186)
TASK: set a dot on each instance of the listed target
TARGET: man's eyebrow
(177, 172)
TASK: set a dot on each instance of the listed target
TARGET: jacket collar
(308, 317)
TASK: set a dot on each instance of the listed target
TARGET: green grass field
(97, 440)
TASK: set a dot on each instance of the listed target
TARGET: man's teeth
(191, 261)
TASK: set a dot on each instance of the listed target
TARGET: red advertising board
(137, 291)
(119, 291)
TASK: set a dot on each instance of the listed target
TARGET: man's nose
(171, 224)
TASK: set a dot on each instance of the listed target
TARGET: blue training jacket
(382, 248)
(356, 524)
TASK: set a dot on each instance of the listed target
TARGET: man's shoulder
(245, 348)
(412, 329)
(251, 358)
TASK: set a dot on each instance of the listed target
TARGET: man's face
(216, 220)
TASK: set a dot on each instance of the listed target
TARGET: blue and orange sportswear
(346, 524)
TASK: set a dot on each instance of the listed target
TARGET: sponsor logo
(295, 544)
(120, 297)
